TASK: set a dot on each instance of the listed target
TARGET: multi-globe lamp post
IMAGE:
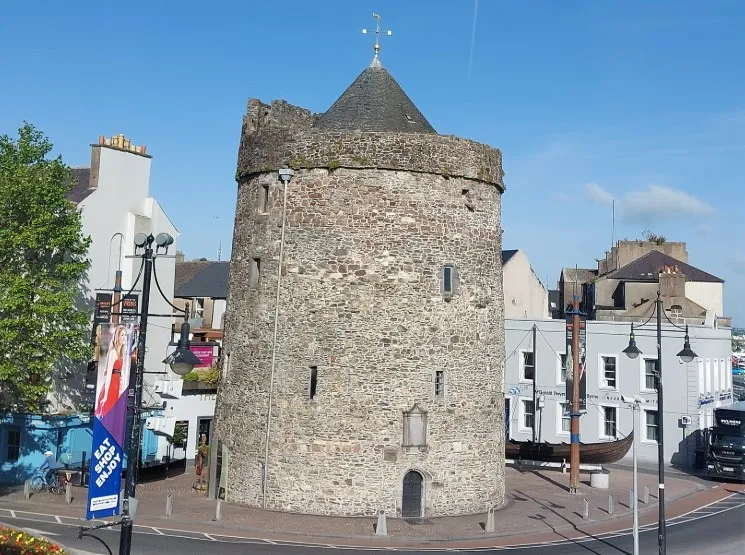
(686, 355)
(181, 361)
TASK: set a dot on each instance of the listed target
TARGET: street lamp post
(686, 355)
(181, 361)
(634, 403)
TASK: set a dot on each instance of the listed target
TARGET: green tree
(42, 265)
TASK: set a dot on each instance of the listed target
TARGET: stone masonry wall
(282, 134)
(361, 300)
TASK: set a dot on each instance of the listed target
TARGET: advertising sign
(204, 353)
(116, 355)
(582, 362)
(101, 314)
(129, 308)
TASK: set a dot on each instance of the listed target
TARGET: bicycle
(39, 482)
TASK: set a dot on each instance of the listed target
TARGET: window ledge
(649, 442)
(414, 449)
(608, 438)
(608, 388)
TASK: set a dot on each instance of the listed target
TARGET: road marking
(59, 521)
(210, 537)
(13, 514)
(158, 531)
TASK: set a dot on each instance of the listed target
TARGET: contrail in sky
(473, 36)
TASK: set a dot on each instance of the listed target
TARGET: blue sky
(641, 101)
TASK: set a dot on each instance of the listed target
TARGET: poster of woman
(114, 366)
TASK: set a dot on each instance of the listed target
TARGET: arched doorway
(411, 503)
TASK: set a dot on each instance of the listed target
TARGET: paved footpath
(539, 509)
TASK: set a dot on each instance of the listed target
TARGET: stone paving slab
(538, 502)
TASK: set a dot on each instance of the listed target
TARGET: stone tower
(383, 371)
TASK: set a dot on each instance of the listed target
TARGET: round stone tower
(364, 337)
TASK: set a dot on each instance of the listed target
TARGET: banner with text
(582, 362)
(115, 361)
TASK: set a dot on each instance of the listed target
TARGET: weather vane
(376, 17)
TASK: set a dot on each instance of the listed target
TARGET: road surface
(718, 528)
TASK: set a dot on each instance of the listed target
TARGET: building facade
(525, 296)
(691, 391)
(382, 386)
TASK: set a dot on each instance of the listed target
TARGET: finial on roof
(376, 60)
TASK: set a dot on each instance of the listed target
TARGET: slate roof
(374, 102)
(507, 255)
(646, 269)
(580, 275)
(208, 279)
(80, 187)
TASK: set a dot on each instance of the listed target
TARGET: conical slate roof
(374, 102)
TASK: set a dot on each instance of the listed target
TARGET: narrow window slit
(313, 381)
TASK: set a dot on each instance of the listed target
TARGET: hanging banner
(101, 313)
(582, 362)
(128, 311)
(116, 354)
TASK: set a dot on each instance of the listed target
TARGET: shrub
(192, 376)
(15, 542)
(211, 377)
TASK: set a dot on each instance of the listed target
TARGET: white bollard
(491, 524)
(218, 511)
(585, 509)
(27, 489)
(68, 493)
(646, 495)
(610, 504)
(631, 499)
(381, 529)
(169, 505)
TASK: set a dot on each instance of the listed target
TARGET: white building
(524, 294)
(113, 196)
(691, 391)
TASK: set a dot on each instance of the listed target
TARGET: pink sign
(204, 353)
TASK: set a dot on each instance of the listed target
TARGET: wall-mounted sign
(205, 353)
(101, 313)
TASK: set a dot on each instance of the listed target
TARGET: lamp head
(632, 351)
(687, 355)
(141, 240)
(182, 360)
(164, 240)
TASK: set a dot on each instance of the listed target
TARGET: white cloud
(598, 194)
(658, 203)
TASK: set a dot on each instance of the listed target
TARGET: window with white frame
(566, 419)
(724, 370)
(527, 366)
(608, 367)
(528, 414)
(707, 366)
(650, 368)
(651, 425)
(610, 421)
(564, 371)
(715, 372)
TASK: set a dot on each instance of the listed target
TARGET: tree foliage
(42, 265)
(653, 237)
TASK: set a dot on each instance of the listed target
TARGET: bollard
(646, 495)
(632, 499)
(381, 529)
(218, 511)
(491, 524)
(68, 493)
(27, 489)
(169, 505)
(585, 509)
(610, 504)
(563, 466)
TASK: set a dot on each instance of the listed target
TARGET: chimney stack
(672, 282)
(121, 142)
